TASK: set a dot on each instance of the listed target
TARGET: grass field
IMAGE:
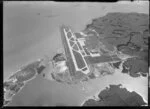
(79, 60)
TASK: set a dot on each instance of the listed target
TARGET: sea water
(29, 36)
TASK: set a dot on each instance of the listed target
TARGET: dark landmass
(116, 96)
(135, 66)
(59, 57)
(128, 32)
(40, 69)
(124, 69)
(92, 76)
(144, 74)
(26, 72)
(116, 64)
(29, 71)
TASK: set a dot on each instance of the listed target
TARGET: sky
(31, 30)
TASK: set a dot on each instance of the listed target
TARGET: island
(116, 96)
(18, 79)
(127, 33)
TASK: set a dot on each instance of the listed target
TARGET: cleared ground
(67, 53)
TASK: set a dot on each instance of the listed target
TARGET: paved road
(78, 55)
